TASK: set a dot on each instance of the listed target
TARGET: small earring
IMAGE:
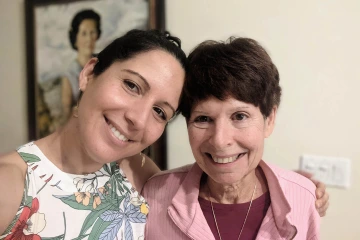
(75, 112)
(142, 160)
(75, 108)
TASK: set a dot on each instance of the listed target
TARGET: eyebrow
(173, 109)
(148, 86)
(139, 76)
(233, 109)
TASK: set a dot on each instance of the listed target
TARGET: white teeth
(225, 160)
(118, 134)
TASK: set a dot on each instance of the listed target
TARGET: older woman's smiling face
(227, 138)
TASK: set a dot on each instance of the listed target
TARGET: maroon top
(230, 217)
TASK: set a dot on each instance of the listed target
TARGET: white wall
(13, 115)
(315, 45)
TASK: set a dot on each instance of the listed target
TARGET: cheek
(254, 142)
(94, 37)
(154, 132)
(252, 136)
(93, 101)
(255, 145)
(195, 140)
(192, 137)
(79, 39)
(103, 91)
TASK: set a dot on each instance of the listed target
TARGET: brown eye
(200, 119)
(202, 122)
(160, 113)
(240, 116)
(132, 86)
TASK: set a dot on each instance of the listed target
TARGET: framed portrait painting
(61, 36)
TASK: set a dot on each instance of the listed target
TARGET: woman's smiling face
(227, 137)
(125, 108)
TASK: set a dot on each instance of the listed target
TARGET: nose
(137, 117)
(88, 37)
(221, 135)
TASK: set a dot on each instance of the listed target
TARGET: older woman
(231, 98)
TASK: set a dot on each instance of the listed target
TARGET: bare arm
(136, 174)
(12, 177)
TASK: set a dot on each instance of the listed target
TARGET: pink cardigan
(175, 212)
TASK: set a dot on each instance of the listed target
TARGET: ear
(87, 74)
(270, 122)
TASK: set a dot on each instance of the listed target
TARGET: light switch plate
(332, 171)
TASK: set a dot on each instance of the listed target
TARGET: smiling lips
(227, 159)
(118, 134)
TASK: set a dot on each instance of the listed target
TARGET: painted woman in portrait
(83, 34)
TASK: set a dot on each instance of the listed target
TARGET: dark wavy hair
(238, 68)
(78, 18)
(139, 41)
(136, 42)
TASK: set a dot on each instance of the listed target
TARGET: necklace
(247, 214)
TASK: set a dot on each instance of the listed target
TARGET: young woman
(68, 185)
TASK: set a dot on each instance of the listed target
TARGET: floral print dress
(57, 205)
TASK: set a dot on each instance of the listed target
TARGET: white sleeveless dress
(57, 205)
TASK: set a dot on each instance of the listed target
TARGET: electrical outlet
(332, 171)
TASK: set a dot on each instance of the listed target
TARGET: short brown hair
(238, 68)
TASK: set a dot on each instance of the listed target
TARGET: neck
(83, 59)
(64, 149)
(239, 192)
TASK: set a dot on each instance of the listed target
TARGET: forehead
(213, 105)
(160, 69)
(155, 64)
(86, 23)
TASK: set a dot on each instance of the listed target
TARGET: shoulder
(293, 181)
(135, 172)
(299, 192)
(172, 173)
(166, 181)
(74, 66)
(12, 176)
(12, 166)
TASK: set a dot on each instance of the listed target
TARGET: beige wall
(13, 116)
(315, 45)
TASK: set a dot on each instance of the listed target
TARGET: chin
(100, 153)
(100, 157)
(86, 52)
(90, 50)
(227, 178)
